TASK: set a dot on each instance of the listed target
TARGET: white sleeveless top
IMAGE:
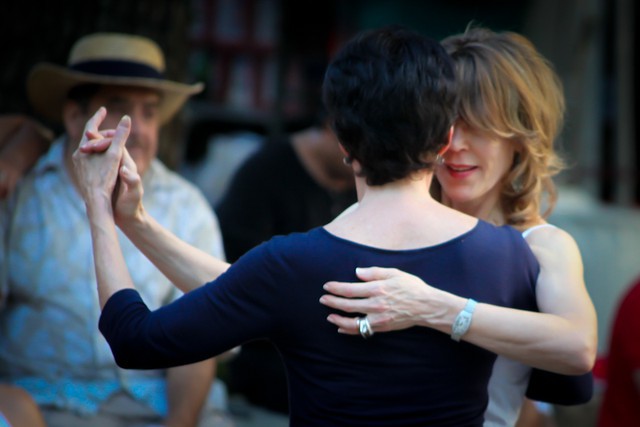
(508, 383)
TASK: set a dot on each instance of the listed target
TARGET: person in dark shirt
(291, 184)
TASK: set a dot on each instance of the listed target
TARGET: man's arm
(22, 142)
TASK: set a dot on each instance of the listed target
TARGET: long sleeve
(242, 304)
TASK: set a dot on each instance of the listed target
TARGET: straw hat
(108, 59)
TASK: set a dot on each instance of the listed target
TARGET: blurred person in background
(621, 401)
(49, 341)
(293, 183)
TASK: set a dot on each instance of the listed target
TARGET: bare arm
(561, 339)
(186, 266)
(22, 142)
(187, 390)
(97, 175)
(564, 334)
(187, 386)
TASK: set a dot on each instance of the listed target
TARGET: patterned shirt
(49, 339)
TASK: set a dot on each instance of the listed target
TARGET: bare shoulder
(550, 236)
(553, 242)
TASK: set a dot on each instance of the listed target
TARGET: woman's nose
(458, 142)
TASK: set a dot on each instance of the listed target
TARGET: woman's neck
(400, 215)
(487, 209)
(409, 191)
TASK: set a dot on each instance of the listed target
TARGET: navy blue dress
(414, 377)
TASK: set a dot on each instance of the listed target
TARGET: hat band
(116, 68)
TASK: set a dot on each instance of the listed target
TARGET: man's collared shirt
(49, 338)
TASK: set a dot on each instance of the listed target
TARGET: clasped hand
(104, 168)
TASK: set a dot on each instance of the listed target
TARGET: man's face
(142, 106)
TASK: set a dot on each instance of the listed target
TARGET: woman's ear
(347, 159)
(343, 150)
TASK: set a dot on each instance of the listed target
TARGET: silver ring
(364, 327)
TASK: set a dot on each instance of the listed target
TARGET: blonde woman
(498, 167)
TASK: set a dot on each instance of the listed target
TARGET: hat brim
(49, 84)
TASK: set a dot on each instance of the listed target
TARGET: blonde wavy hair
(507, 88)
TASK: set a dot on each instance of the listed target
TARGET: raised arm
(97, 175)
(186, 266)
(562, 338)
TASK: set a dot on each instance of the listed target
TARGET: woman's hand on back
(391, 299)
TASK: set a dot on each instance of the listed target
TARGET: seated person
(49, 343)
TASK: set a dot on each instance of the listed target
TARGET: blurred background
(263, 61)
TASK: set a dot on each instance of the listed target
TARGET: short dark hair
(391, 98)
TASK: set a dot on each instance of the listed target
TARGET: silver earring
(516, 185)
(439, 159)
(346, 160)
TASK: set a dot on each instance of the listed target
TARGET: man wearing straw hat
(49, 340)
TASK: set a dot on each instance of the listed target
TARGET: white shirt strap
(528, 231)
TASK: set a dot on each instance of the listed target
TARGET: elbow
(131, 355)
(581, 354)
(124, 359)
(591, 355)
(128, 356)
(125, 363)
(583, 358)
(582, 365)
(132, 361)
